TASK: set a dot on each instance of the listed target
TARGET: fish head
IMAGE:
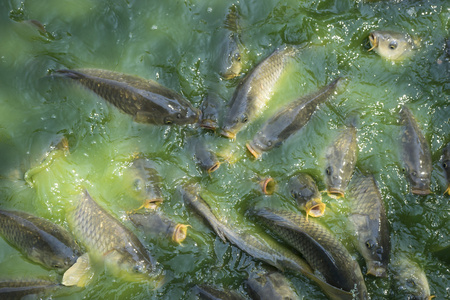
(259, 144)
(315, 208)
(210, 112)
(230, 57)
(169, 112)
(420, 180)
(236, 118)
(335, 181)
(303, 188)
(131, 263)
(56, 256)
(391, 45)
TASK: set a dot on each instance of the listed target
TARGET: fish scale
(319, 248)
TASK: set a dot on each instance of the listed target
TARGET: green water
(176, 43)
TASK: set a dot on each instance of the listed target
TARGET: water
(175, 43)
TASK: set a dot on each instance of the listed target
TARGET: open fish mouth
(180, 233)
(214, 167)
(377, 271)
(252, 150)
(373, 41)
(335, 192)
(208, 124)
(268, 186)
(153, 203)
(421, 191)
(228, 134)
(315, 208)
(447, 190)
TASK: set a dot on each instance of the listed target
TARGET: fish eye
(445, 165)
(137, 269)
(178, 116)
(167, 120)
(237, 56)
(244, 118)
(329, 170)
(293, 194)
(393, 45)
(369, 244)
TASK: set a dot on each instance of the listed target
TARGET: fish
(265, 249)
(392, 45)
(304, 190)
(205, 158)
(320, 248)
(80, 273)
(24, 288)
(446, 165)
(210, 112)
(146, 182)
(340, 161)
(288, 120)
(39, 239)
(410, 279)
(230, 61)
(368, 217)
(105, 237)
(271, 285)
(416, 155)
(146, 100)
(254, 91)
(207, 292)
(260, 246)
(155, 224)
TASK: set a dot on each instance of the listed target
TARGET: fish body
(319, 247)
(254, 90)
(104, 236)
(230, 48)
(392, 45)
(147, 182)
(416, 155)
(40, 240)
(155, 224)
(410, 279)
(146, 100)
(288, 120)
(340, 161)
(24, 288)
(273, 286)
(206, 159)
(265, 249)
(304, 190)
(206, 292)
(368, 216)
(446, 165)
(210, 112)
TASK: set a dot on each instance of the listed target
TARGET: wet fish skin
(210, 293)
(265, 249)
(416, 155)
(210, 112)
(254, 90)
(304, 190)
(288, 120)
(340, 161)
(392, 45)
(446, 165)
(41, 240)
(105, 236)
(368, 216)
(156, 224)
(230, 49)
(146, 100)
(410, 279)
(147, 181)
(318, 246)
(206, 159)
(21, 288)
(273, 286)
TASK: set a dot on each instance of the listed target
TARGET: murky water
(176, 43)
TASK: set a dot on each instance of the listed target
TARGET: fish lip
(214, 167)
(420, 191)
(208, 124)
(448, 189)
(315, 208)
(268, 185)
(377, 271)
(335, 192)
(252, 150)
(228, 134)
(152, 203)
(180, 233)
(373, 41)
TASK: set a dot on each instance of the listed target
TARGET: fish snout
(227, 133)
(376, 269)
